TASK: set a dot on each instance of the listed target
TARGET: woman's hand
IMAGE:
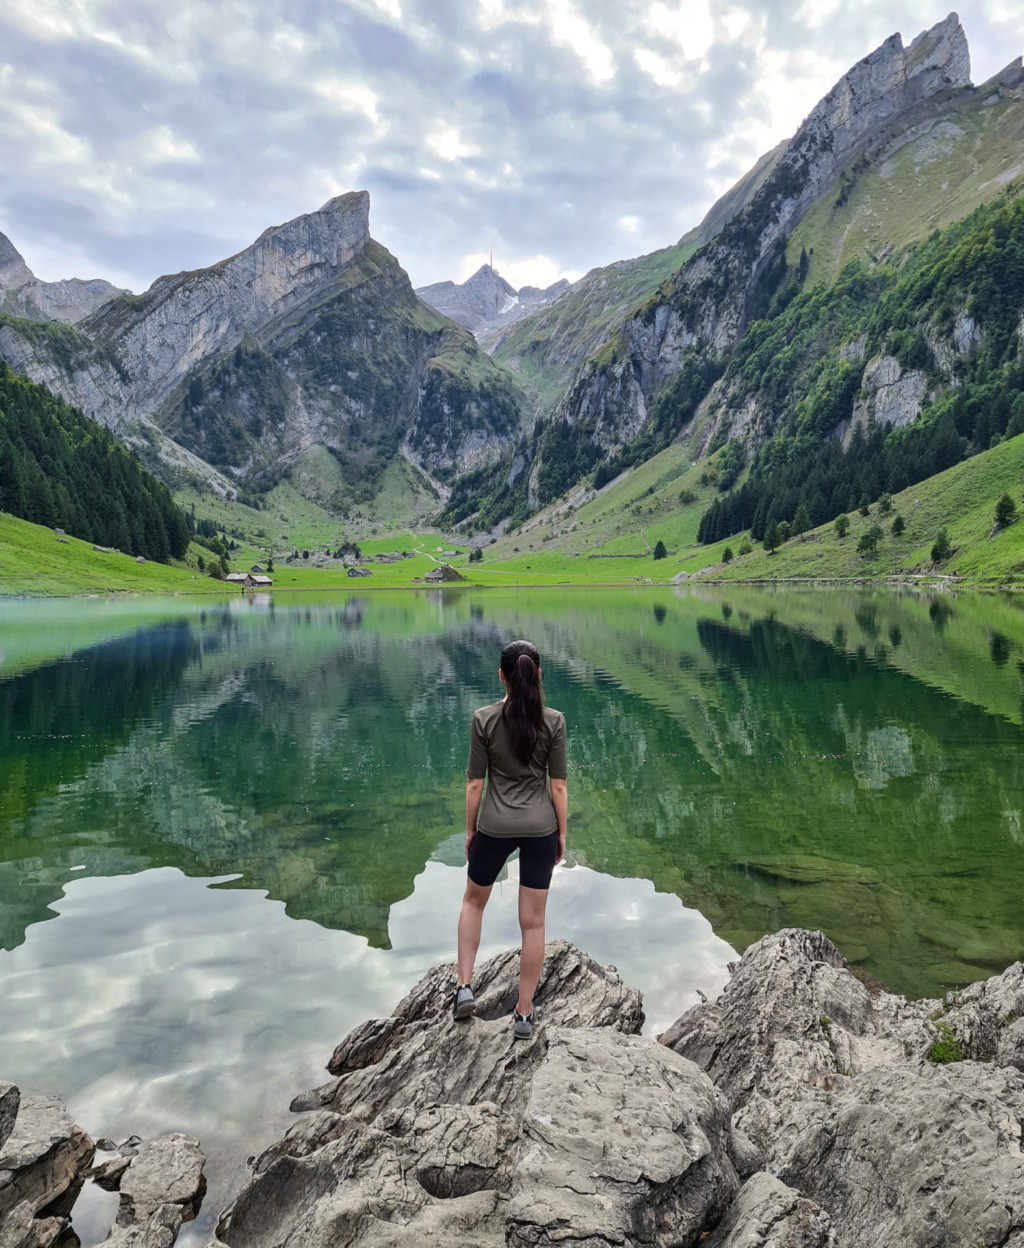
(470, 836)
(561, 848)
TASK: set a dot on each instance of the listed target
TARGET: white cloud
(570, 29)
(176, 133)
(689, 25)
(447, 143)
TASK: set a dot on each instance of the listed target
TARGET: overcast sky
(139, 137)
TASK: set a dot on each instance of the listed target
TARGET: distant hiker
(518, 744)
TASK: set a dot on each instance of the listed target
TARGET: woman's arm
(473, 790)
(560, 801)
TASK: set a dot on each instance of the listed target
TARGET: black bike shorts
(537, 856)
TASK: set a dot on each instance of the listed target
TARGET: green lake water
(230, 832)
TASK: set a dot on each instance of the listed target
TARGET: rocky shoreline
(802, 1109)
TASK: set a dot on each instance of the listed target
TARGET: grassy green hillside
(962, 498)
(949, 169)
(33, 561)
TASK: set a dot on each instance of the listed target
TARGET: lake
(229, 832)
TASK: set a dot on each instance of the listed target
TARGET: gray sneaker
(463, 1005)
(522, 1027)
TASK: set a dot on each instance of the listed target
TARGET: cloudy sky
(139, 137)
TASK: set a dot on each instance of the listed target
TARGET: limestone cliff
(310, 336)
(704, 308)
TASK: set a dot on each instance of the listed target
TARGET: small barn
(246, 580)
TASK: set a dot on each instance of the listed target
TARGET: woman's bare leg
(532, 903)
(470, 919)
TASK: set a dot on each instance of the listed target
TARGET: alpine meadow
(572, 698)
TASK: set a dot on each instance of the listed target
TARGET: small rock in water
(108, 1175)
(104, 1145)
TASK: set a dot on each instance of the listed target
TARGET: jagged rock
(833, 1088)
(768, 1214)
(159, 1230)
(161, 1187)
(44, 1156)
(618, 1147)
(458, 1134)
(10, 1098)
(22, 1229)
(574, 991)
(23, 294)
(917, 1155)
(109, 1174)
(987, 1018)
(168, 1171)
(893, 396)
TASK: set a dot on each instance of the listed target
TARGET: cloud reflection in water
(155, 1003)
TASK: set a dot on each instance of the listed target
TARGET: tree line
(62, 469)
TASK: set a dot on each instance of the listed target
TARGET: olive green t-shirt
(518, 800)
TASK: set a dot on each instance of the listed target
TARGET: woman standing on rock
(518, 744)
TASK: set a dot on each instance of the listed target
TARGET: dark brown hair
(524, 707)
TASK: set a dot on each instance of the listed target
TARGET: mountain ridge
(486, 302)
(311, 335)
(22, 294)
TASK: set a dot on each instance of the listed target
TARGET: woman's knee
(475, 895)
(532, 905)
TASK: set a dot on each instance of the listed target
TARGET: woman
(517, 744)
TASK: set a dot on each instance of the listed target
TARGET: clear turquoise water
(229, 833)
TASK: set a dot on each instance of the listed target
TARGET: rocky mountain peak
(14, 272)
(22, 294)
(486, 300)
(886, 82)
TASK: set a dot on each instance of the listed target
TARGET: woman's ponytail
(524, 706)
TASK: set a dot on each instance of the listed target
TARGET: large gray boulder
(437, 1133)
(618, 1146)
(831, 1089)
(44, 1155)
(168, 1171)
(768, 1214)
(162, 1187)
(43, 1160)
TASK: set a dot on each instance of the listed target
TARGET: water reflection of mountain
(764, 775)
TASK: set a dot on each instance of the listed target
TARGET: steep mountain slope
(311, 336)
(706, 307)
(485, 302)
(23, 294)
(717, 355)
(548, 347)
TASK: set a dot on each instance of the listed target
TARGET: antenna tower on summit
(492, 255)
